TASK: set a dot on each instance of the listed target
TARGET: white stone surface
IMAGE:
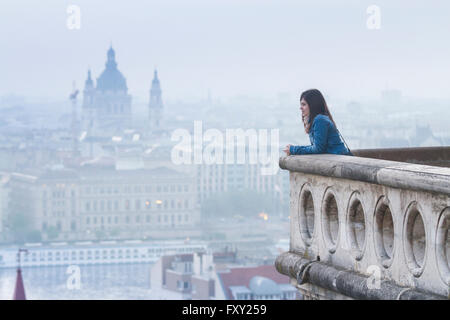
(432, 276)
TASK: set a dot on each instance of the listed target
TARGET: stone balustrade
(367, 228)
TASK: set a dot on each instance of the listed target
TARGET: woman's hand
(287, 150)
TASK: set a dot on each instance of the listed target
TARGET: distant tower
(73, 99)
(88, 109)
(156, 105)
(88, 92)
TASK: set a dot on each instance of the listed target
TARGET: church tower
(88, 103)
(156, 105)
(88, 92)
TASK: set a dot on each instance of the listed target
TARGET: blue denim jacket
(324, 138)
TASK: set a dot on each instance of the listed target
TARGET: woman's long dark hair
(317, 105)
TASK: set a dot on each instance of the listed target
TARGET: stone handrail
(370, 219)
(383, 172)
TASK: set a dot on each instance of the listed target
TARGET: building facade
(253, 283)
(90, 203)
(185, 276)
(202, 276)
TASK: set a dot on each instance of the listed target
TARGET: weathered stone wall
(371, 216)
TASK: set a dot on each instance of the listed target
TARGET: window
(148, 204)
(138, 204)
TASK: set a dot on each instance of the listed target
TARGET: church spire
(155, 83)
(19, 290)
(88, 92)
(111, 61)
(88, 84)
(156, 105)
(155, 92)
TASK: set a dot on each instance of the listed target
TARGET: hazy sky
(231, 47)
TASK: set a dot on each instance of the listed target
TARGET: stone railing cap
(383, 172)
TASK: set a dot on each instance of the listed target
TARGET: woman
(320, 126)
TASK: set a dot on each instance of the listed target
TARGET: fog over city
(99, 100)
(229, 47)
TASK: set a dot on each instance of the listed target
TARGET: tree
(100, 234)
(33, 236)
(20, 225)
(52, 233)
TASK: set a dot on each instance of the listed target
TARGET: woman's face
(304, 107)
